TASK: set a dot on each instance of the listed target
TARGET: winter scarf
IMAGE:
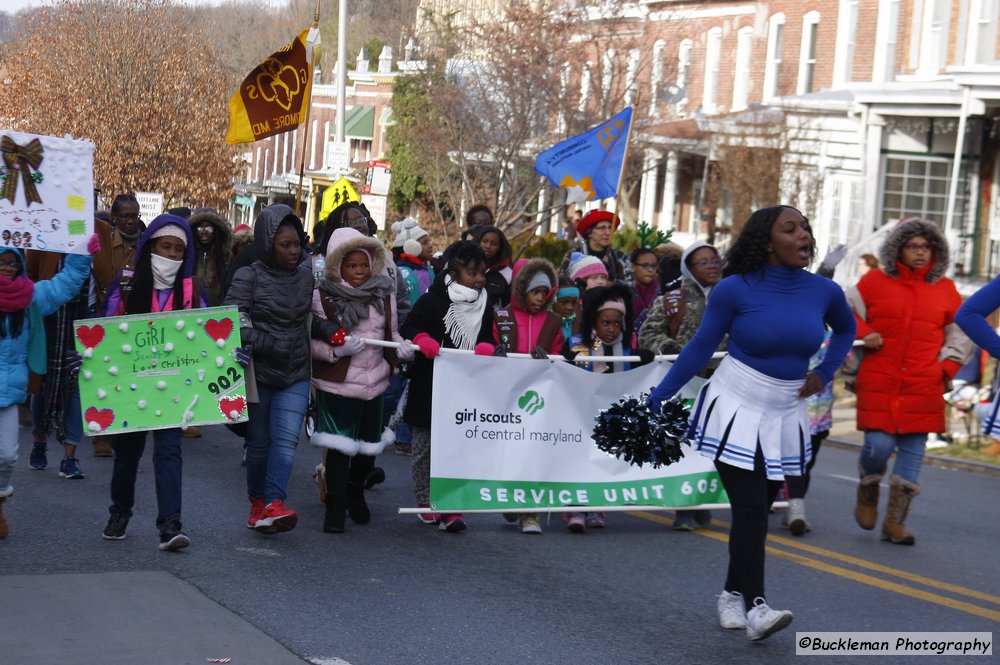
(15, 294)
(465, 315)
(353, 301)
(615, 348)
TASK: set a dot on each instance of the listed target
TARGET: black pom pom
(629, 430)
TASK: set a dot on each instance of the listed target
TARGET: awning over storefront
(360, 123)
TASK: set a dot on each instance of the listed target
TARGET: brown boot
(319, 475)
(866, 510)
(901, 493)
(102, 447)
(992, 449)
(4, 526)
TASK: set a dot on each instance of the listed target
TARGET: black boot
(374, 477)
(336, 513)
(357, 508)
(337, 466)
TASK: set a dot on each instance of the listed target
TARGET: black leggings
(750, 495)
(799, 485)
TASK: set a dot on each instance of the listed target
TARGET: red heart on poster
(219, 330)
(232, 407)
(98, 421)
(89, 336)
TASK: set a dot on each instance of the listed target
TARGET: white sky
(12, 6)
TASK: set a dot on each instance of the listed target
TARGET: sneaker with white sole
(762, 621)
(732, 614)
(115, 529)
(171, 541)
(529, 523)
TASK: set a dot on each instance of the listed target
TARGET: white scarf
(465, 315)
(616, 350)
(164, 271)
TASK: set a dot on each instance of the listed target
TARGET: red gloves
(94, 245)
(485, 349)
(427, 345)
(338, 338)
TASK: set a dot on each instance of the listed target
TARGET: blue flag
(589, 166)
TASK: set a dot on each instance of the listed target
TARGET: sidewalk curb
(940, 461)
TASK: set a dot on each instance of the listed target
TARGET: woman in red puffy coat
(905, 315)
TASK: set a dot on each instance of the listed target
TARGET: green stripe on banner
(457, 494)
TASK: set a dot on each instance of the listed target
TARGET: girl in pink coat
(351, 377)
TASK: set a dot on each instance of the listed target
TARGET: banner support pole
(305, 134)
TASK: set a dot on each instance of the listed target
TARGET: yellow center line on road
(863, 578)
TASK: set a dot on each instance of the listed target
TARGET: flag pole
(305, 134)
(621, 176)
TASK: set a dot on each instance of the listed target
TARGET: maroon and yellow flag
(272, 98)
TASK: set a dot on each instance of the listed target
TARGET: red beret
(596, 217)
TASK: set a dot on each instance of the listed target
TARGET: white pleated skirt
(740, 410)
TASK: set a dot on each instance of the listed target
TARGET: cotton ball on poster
(220, 361)
(126, 348)
(161, 385)
(220, 343)
(123, 327)
(101, 394)
(189, 334)
(87, 374)
(168, 347)
(179, 325)
(142, 404)
(113, 371)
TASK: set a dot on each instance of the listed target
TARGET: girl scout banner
(511, 434)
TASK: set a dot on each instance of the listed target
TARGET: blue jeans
(272, 436)
(72, 418)
(909, 453)
(167, 467)
(394, 393)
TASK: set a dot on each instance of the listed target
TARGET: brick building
(850, 109)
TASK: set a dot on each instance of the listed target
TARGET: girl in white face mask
(162, 278)
(161, 282)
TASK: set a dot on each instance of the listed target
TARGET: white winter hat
(407, 230)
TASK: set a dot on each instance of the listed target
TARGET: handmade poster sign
(46, 192)
(155, 371)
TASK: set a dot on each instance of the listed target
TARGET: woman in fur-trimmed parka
(905, 315)
(350, 378)
(213, 252)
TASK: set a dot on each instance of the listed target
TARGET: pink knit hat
(583, 266)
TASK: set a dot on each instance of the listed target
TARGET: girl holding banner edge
(750, 418)
(452, 314)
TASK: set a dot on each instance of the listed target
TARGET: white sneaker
(731, 612)
(530, 524)
(763, 621)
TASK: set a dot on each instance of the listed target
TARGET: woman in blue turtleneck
(751, 417)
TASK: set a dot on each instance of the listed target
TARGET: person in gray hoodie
(673, 320)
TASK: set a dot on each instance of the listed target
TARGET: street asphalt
(399, 592)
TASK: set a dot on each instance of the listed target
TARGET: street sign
(378, 178)
(150, 205)
(376, 206)
(338, 156)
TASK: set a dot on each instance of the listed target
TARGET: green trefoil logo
(531, 402)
